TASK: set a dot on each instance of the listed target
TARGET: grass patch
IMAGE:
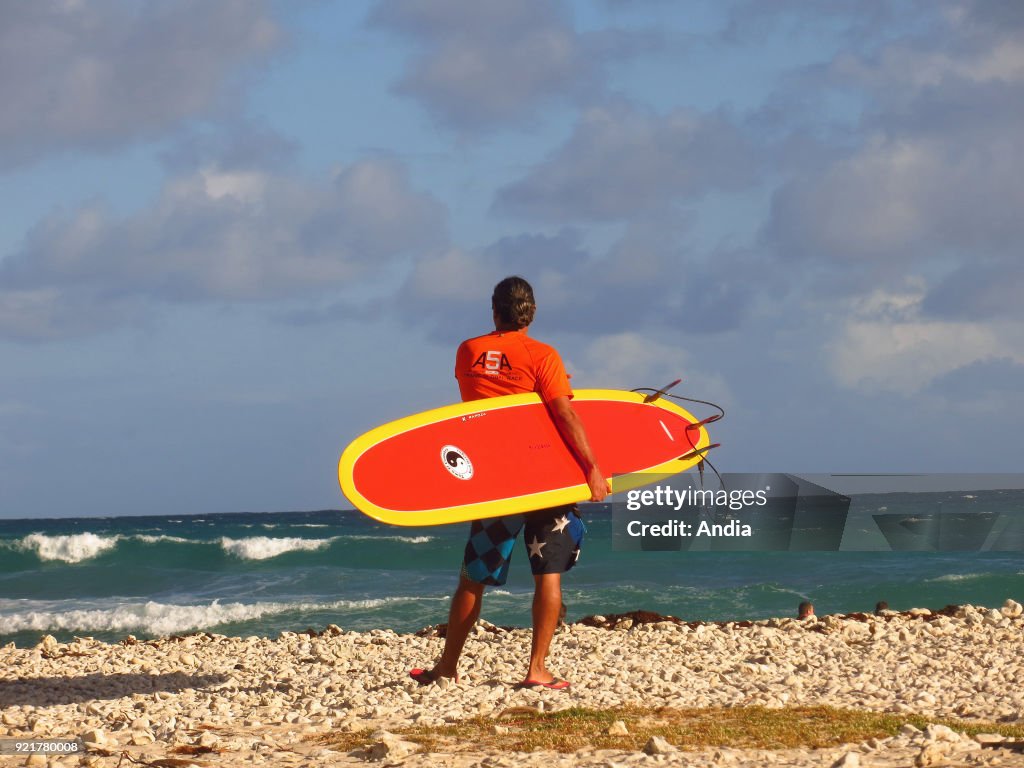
(570, 730)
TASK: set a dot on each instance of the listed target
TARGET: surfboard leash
(664, 392)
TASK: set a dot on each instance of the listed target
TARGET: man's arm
(571, 427)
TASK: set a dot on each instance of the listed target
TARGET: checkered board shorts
(553, 538)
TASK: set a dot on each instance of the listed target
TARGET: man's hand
(599, 487)
(571, 427)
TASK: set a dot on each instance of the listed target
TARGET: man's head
(513, 304)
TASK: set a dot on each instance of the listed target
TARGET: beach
(208, 699)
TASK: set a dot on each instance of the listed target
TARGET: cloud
(485, 63)
(622, 160)
(234, 145)
(885, 345)
(879, 203)
(645, 279)
(928, 179)
(215, 235)
(982, 380)
(980, 292)
(96, 74)
(628, 360)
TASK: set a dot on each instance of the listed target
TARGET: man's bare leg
(462, 615)
(547, 605)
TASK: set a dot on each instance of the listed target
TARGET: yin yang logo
(457, 462)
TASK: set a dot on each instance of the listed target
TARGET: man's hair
(513, 302)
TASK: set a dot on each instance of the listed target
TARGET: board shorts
(552, 538)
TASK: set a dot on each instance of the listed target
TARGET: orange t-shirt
(509, 363)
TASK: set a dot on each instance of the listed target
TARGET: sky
(236, 235)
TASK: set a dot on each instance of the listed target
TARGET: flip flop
(426, 676)
(553, 685)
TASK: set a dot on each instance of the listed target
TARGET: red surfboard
(504, 455)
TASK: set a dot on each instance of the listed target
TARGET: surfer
(508, 361)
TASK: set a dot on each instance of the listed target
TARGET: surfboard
(504, 455)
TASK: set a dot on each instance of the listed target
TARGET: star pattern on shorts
(536, 547)
(560, 524)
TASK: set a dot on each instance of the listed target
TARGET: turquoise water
(259, 574)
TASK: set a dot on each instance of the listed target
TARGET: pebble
(618, 728)
(262, 701)
(849, 760)
(656, 745)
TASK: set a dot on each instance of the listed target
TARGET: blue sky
(238, 234)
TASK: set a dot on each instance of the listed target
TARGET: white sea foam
(153, 618)
(958, 577)
(310, 525)
(146, 539)
(264, 547)
(72, 548)
(406, 539)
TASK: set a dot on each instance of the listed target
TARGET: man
(508, 362)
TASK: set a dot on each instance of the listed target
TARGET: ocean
(261, 573)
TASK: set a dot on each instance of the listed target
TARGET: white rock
(618, 728)
(142, 738)
(208, 739)
(941, 733)
(392, 749)
(932, 754)
(95, 736)
(1012, 609)
(989, 738)
(849, 760)
(658, 746)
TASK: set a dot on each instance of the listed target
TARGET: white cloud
(96, 74)
(886, 346)
(622, 160)
(926, 181)
(485, 63)
(630, 360)
(214, 236)
(916, 68)
(453, 276)
(247, 187)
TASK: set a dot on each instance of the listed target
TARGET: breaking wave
(71, 548)
(153, 618)
(263, 547)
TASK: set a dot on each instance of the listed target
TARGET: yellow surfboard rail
(514, 504)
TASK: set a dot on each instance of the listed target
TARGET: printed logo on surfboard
(457, 462)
